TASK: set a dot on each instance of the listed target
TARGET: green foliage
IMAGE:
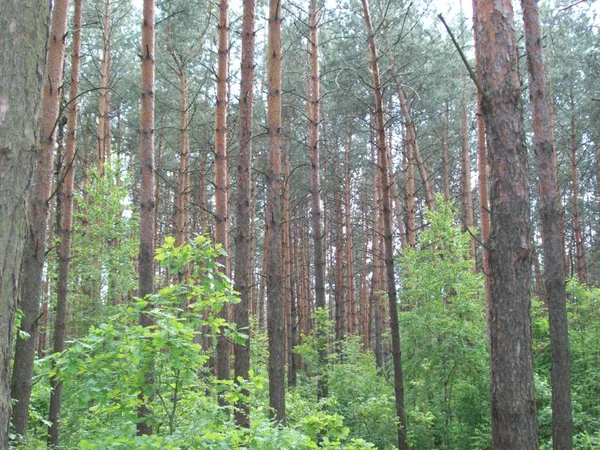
(584, 337)
(444, 336)
(103, 250)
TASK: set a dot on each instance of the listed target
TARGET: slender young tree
(551, 217)
(221, 219)
(387, 231)
(514, 422)
(33, 256)
(275, 312)
(244, 192)
(105, 92)
(22, 57)
(315, 186)
(146, 256)
(65, 229)
(482, 166)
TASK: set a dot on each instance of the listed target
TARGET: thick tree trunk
(23, 35)
(388, 233)
(146, 257)
(221, 219)
(551, 215)
(275, 317)
(244, 190)
(514, 423)
(33, 256)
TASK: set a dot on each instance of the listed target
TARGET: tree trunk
(467, 195)
(22, 55)
(275, 317)
(34, 252)
(243, 200)
(578, 229)
(351, 300)
(388, 233)
(551, 215)
(514, 423)
(482, 166)
(146, 257)
(65, 229)
(313, 100)
(445, 155)
(104, 101)
(221, 219)
(411, 136)
(411, 225)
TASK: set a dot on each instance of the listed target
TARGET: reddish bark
(146, 256)
(514, 422)
(35, 244)
(551, 217)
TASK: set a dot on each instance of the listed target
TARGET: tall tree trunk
(35, 245)
(313, 100)
(221, 219)
(23, 35)
(352, 327)
(287, 264)
(157, 188)
(411, 136)
(202, 201)
(578, 228)
(182, 205)
(275, 317)
(376, 258)
(146, 258)
(411, 224)
(66, 227)
(482, 167)
(467, 195)
(550, 214)
(445, 155)
(514, 423)
(244, 192)
(104, 101)
(388, 233)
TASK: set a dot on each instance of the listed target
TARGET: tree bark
(467, 195)
(65, 229)
(578, 229)
(351, 300)
(275, 318)
(146, 257)
(482, 167)
(514, 422)
(104, 101)
(313, 100)
(551, 216)
(221, 219)
(445, 155)
(34, 252)
(387, 233)
(243, 200)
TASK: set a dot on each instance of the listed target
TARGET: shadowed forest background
(299, 225)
